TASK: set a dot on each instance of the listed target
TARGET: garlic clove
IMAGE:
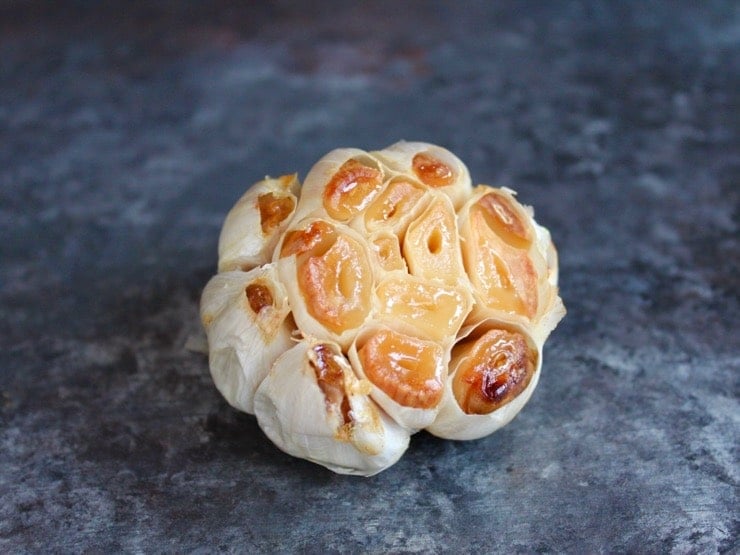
(407, 374)
(341, 185)
(395, 206)
(253, 225)
(510, 261)
(500, 255)
(329, 277)
(432, 165)
(387, 252)
(422, 308)
(493, 373)
(245, 316)
(431, 246)
(312, 406)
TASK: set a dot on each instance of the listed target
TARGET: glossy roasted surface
(128, 131)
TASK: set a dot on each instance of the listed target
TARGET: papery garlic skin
(553, 309)
(384, 296)
(245, 335)
(296, 415)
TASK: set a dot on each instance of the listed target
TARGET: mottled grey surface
(126, 133)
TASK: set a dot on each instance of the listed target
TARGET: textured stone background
(126, 133)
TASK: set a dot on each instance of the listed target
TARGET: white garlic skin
(292, 411)
(553, 310)
(243, 345)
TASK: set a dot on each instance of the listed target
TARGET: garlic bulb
(385, 296)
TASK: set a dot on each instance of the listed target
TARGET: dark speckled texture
(126, 133)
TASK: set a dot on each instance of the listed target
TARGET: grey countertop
(126, 133)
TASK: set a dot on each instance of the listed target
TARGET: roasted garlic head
(383, 296)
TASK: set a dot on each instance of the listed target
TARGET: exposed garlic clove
(421, 308)
(407, 374)
(500, 256)
(311, 405)
(431, 246)
(384, 245)
(253, 225)
(329, 277)
(245, 315)
(493, 372)
(432, 165)
(396, 206)
(341, 185)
